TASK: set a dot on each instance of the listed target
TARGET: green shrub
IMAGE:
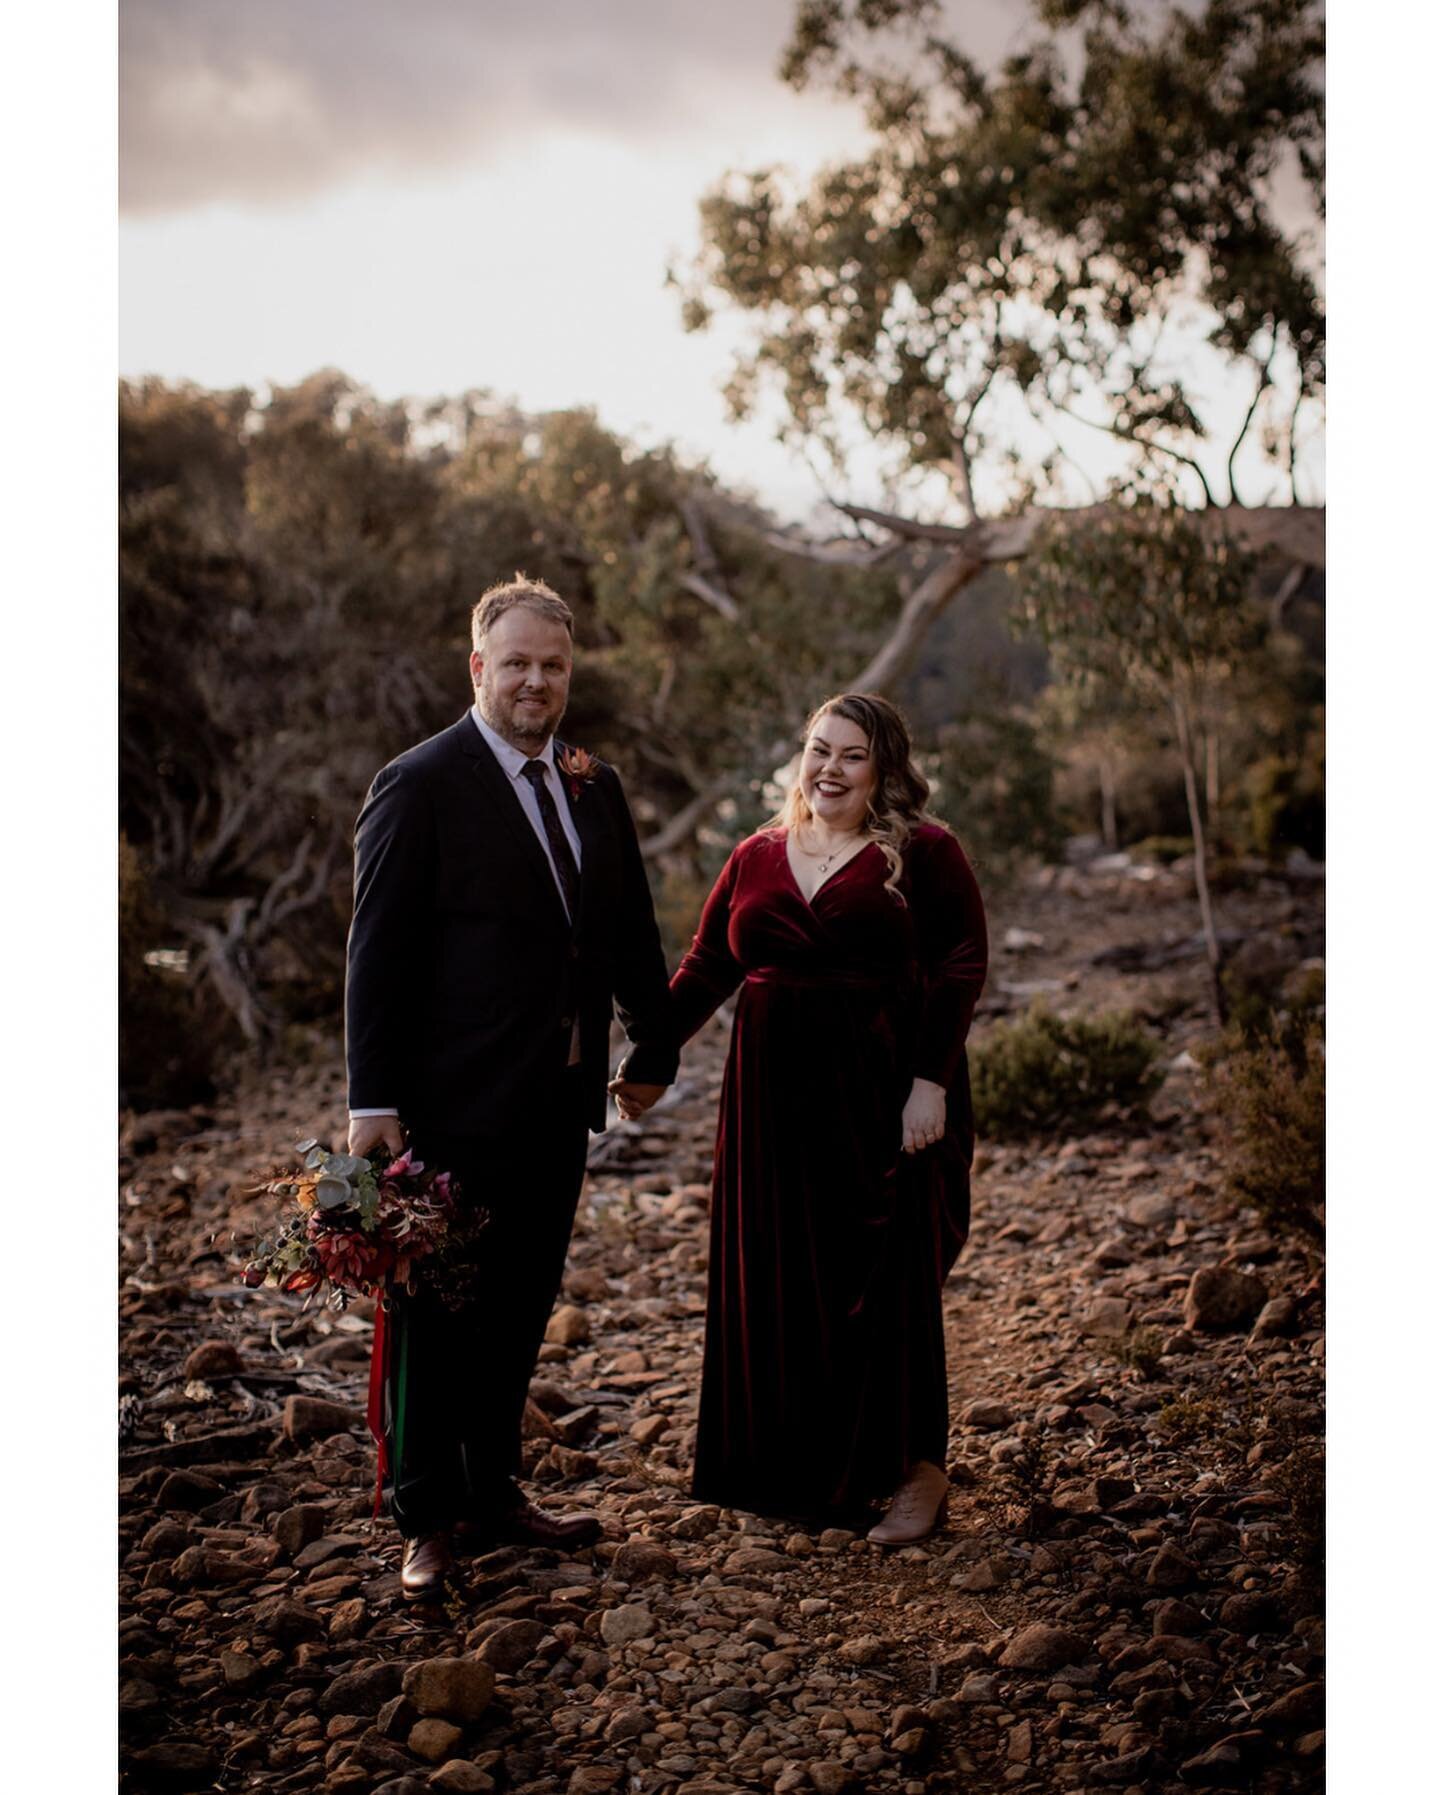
(1141, 1350)
(993, 780)
(1048, 1071)
(1268, 1093)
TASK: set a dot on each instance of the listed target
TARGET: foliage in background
(296, 582)
(1016, 242)
(1148, 601)
(1046, 1071)
(993, 778)
(1266, 1089)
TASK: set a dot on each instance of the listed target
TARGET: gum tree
(1084, 236)
(1149, 601)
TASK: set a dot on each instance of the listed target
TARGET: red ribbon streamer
(375, 1410)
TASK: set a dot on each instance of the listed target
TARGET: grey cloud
(273, 100)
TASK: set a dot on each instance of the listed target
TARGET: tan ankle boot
(914, 1508)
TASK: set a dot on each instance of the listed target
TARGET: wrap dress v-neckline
(829, 878)
(824, 1366)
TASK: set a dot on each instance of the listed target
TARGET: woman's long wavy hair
(897, 806)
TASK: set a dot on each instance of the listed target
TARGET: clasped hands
(921, 1124)
(632, 1100)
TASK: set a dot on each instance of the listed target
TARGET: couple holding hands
(502, 916)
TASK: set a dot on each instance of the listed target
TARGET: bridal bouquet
(367, 1226)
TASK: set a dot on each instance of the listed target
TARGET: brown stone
(1043, 1647)
(756, 1558)
(296, 1527)
(461, 1777)
(313, 1417)
(640, 1559)
(568, 1326)
(214, 1358)
(1221, 1299)
(1106, 1315)
(512, 1645)
(454, 1688)
(433, 1739)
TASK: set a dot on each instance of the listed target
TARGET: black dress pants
(464, 1373)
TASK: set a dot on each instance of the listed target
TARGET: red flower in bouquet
(363, 1226)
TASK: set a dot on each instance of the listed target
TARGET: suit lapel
(504, 804)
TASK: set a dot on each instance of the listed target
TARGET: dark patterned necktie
(560, 850)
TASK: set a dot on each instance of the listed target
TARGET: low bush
(1048, 1071)
(1267, 1091)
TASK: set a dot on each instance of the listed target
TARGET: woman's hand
(923, 1122)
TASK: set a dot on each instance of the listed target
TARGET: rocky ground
(1126, 1594)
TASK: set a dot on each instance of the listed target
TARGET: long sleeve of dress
(953, 951)
(709, 973)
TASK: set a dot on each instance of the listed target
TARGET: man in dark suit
(501, 915)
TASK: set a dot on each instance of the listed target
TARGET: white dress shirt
(513, 762)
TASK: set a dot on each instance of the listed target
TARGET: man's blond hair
(534, 595)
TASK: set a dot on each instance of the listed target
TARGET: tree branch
(712, 595)
(708, 579)
(1249, 416)
(843, 553)
(1142, 442)
(685, 822)
(906, 527)
(920, 610)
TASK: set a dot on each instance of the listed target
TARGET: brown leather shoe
(527, 1525)
(424, 1565)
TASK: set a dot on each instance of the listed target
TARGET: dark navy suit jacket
(464, 974)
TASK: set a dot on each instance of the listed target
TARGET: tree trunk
(1202, 879)
(1109, 833)
(1212, 777)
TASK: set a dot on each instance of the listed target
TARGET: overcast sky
(442, 195)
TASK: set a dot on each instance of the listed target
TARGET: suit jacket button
(574, 951)
(567, 1022)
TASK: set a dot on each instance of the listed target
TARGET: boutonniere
(579, 768)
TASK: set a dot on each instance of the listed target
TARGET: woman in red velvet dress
(854, 932)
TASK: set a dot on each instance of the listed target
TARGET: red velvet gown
(824, 1370)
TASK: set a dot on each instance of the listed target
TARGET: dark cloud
(272, 100)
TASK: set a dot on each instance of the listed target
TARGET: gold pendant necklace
(823, 865)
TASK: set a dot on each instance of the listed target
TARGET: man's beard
(519, 728)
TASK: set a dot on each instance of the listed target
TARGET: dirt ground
(1127, 1590)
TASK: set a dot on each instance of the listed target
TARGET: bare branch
(685, 822)
(960, 452)
(841, 553)
(1264, 382)
(920, 610)
(1286, 590)
(223, 964)
(661, 700)
(1144, 442)
(1291, 446)
(708, 579)
(712, 595)
(1060, 448)
(906, 527)
(273, 909)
